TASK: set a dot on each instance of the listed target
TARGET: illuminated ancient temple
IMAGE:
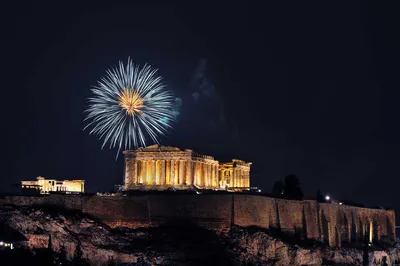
(160, 167)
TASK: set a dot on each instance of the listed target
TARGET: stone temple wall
(330, 223)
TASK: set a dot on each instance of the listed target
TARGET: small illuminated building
(160, 167)
(10, 238)
(44, 186)
(235, 174)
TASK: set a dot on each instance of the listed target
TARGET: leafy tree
(278, 189)
(292, 188)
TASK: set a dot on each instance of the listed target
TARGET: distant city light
(340, 203)
(258, 190)
(327, 197)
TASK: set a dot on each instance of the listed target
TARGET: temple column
(214, 182)
(233, 179)
(210, 167)
(216, 174)
(189, 179)
(131, 174)
(205, 175)
(172, 180)
(127, 177)
(216, 170)
(197, 173)
(153, 172)
(240, 178)
(176, 177)
(243, 178)
(210, 181)
(181, 172)
(168, 172)
(207, 166)
(201, 174)
(136, 171)
(210, 171)
(162, 172)
(194, 172)
(157, 176)
(143, 172)
(148, 172)
(205, 178)
(237, 178)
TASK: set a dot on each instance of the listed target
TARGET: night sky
(310, 89)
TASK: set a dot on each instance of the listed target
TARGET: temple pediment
(156, 147)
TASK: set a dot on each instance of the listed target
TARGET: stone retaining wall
(330, 223)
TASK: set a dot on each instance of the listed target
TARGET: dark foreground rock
(57, 236)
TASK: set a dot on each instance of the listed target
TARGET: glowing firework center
(130, 101)
(159, 167)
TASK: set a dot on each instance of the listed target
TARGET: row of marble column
(171, 172)
(237, 178)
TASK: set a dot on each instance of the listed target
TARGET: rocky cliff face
(75, 234)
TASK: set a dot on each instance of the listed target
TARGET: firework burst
(128, 106)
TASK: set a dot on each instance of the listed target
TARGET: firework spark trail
(129, 105)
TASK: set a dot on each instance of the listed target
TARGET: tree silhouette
(319, 196)
(278, 189)
(50, 244)
(292, 188)
(77, 259)
(62, 258)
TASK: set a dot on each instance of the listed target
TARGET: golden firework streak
(130, 101)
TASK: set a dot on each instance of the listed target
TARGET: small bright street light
(340, 203)
(327, 197)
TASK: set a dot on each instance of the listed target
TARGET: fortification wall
(341, 223)
(255, 211)
(68, 202)
(210, 210)
(118, 210)
(331, 223)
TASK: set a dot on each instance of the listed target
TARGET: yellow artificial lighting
(370, 232)
(130, 101)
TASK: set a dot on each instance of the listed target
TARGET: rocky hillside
(72, 238)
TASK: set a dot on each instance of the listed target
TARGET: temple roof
(157, 147)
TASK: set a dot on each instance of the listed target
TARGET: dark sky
(305, 88)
